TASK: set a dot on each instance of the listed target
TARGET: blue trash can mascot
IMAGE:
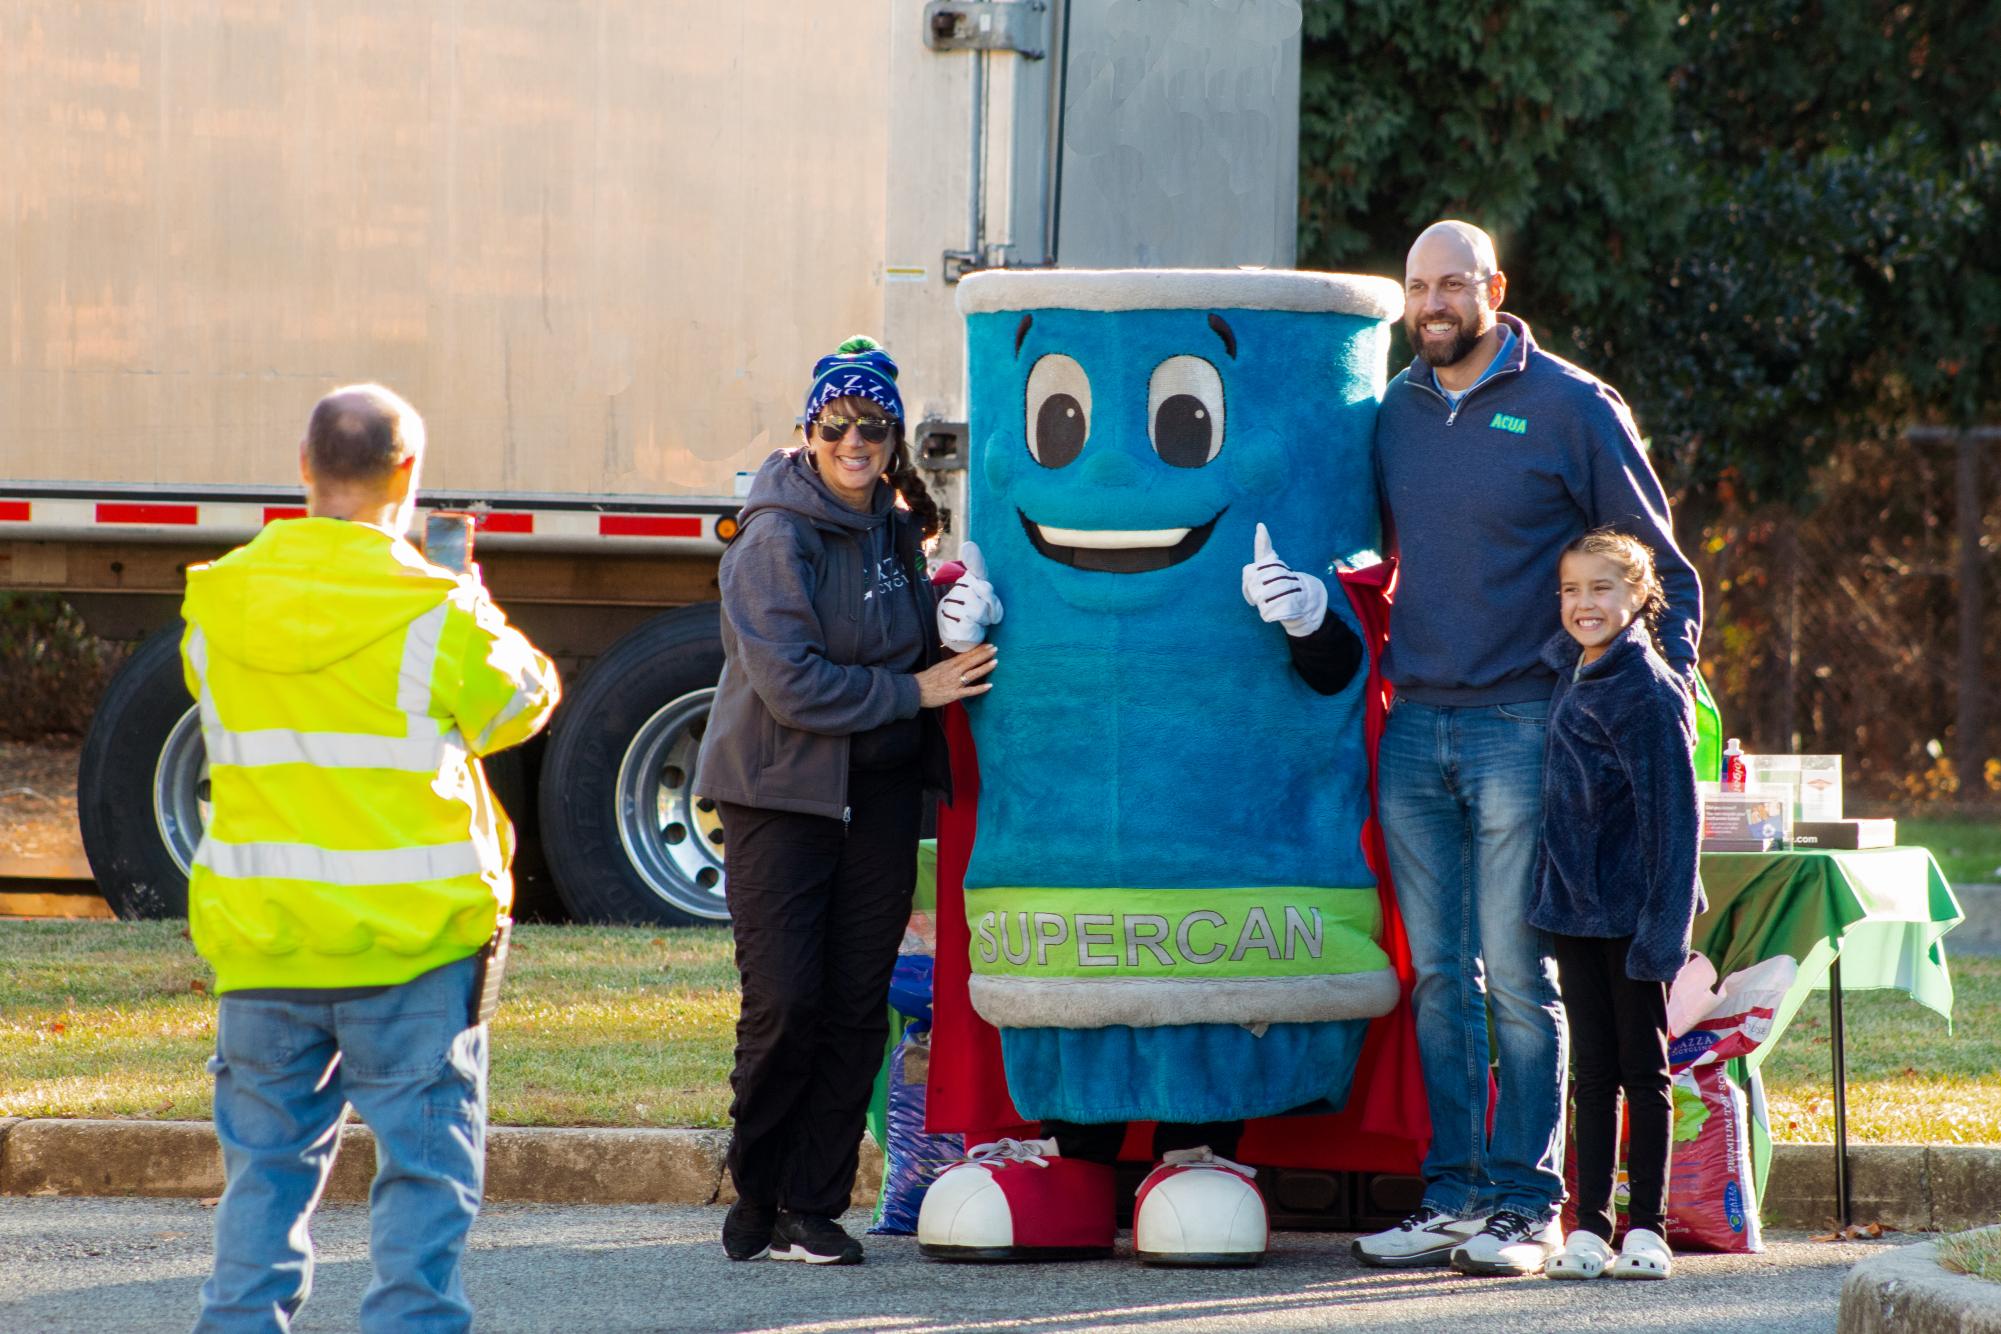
(1172, 917)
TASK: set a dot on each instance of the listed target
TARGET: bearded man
(1491, 456)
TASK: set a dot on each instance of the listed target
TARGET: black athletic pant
(818, 910)
(1100, 1143)
(1618, 1039)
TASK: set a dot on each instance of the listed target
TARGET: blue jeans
(285, 1074)
(1460, 791)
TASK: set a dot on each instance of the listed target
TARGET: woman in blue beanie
(821, 743)
(1616, 886)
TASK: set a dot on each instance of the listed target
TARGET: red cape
(1385, 1126)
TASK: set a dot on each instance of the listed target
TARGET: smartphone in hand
(448, 539)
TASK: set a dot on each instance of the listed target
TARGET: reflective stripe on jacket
(346, 687)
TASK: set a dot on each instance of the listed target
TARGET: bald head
(360, 457)
(360, 436)
(1451, 288)
(1456, 245)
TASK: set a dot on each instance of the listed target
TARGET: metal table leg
(1838, 1041)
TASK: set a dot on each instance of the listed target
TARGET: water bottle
(1733, 767)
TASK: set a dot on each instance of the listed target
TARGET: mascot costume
(1171, 913)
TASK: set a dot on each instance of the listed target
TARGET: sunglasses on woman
(875, 430)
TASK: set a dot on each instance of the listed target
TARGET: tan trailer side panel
(596, 243)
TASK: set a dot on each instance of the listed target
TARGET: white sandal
(1644, 1255)
(1584, 1255)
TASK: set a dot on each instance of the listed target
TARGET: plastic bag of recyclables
(1712, 1199)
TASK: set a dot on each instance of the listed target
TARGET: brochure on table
(1787, 801)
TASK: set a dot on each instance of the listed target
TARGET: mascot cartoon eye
(1059, 410)
(1184, 411)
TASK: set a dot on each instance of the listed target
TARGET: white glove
(1280, 593)
(965, 613)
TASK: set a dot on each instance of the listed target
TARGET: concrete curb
(523, 1164)
(1913, 1188)
(1905, 1290)
(1910, 1187)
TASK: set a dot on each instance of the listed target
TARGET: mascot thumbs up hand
(1280, 593)
(965, 613)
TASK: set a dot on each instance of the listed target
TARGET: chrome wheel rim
(180, 790)
(673, 838)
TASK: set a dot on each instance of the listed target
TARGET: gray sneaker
(1511, 1245)
(1424, 1239)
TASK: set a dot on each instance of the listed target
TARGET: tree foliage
(1539, 121)
(1772, 224)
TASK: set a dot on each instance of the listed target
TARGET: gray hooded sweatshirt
(825, 618)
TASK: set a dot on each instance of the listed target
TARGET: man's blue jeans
(1460, 792)
(285, 1075)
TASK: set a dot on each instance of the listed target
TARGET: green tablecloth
(1882, 912)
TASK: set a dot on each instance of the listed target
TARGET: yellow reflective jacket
(345, 685)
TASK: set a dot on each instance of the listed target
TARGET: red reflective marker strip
(273, 513)
(648, 525)
(15, 511)
(501, 521)
(127, 512)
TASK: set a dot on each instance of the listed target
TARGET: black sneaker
(747, 1230)
(814, 1238)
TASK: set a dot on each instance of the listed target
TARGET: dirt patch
(38, 799)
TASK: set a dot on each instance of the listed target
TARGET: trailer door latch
(987, 25)
(941, 445)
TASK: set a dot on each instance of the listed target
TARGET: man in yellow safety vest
(353, 872)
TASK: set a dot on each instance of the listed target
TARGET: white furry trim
(1158, 1002)
(1179, 289)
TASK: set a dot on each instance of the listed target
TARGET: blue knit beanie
(858, 368)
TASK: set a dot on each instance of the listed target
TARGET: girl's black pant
(818, 909)
(1618, 1041)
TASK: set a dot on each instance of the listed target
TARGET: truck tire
(142, 793)
(142, 784)
(622, 829)
(514, 774)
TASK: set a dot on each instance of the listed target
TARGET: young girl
(1616, 885)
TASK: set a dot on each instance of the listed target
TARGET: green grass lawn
(1967, 847)
(611, 1026)
(599, 1025)
(1909, 1081)
(1977, 1253)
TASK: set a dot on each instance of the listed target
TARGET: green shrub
(52, 669)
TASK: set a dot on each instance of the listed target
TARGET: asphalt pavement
(135, 1265)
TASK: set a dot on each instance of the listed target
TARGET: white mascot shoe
(1198, 1210)
(1018, 1200)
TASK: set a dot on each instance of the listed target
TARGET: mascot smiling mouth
(1117, 550)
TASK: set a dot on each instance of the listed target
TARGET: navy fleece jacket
(1481, 500)
(1619, 835)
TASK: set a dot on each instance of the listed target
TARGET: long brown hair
(902, 474)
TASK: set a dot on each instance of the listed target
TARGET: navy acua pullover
(1619, 824)
(1483, 497)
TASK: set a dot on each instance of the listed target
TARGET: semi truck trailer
(598, 244)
